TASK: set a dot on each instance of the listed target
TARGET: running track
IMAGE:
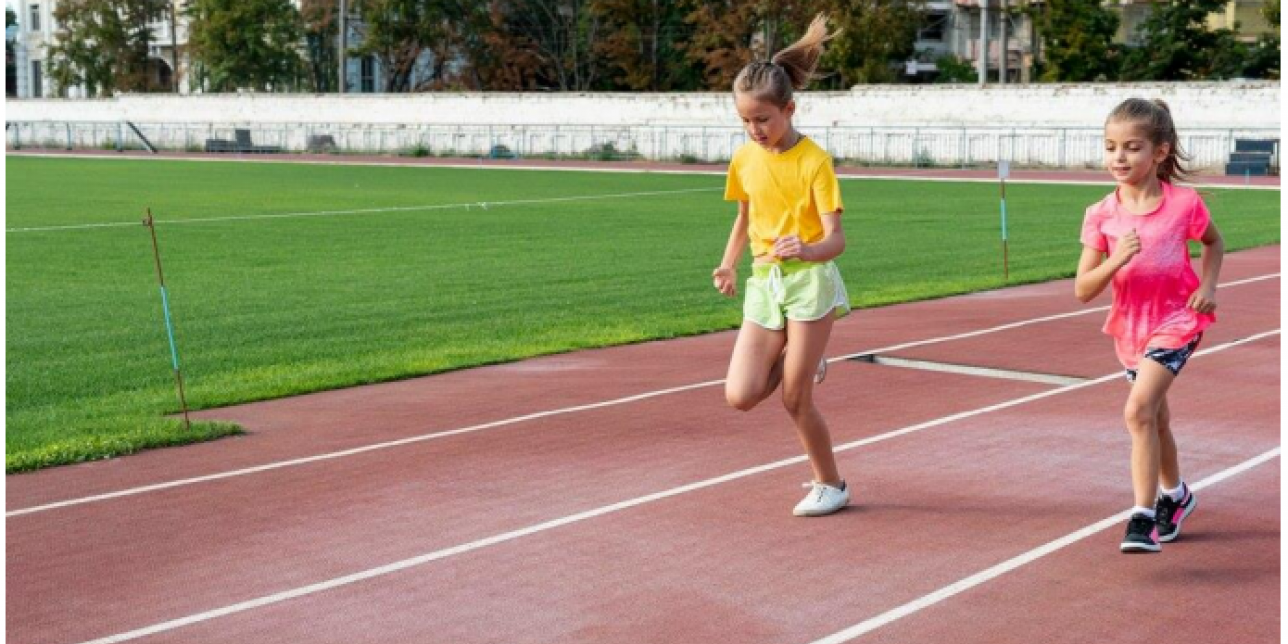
(611, 496)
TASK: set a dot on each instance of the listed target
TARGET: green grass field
(270, 307)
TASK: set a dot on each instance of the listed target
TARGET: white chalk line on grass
(482, 205)
(988, 574)
(842, 172)
(156, 487)
(512, 535)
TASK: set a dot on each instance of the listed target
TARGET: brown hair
(791, 68)
(1156, 119)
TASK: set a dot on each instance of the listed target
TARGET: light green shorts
(794, 290)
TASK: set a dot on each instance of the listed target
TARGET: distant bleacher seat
(241, 144)
(1254, 157)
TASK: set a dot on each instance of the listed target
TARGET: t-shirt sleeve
(1092, 237)
(734, 191)
(826, 189)
(1200, 218)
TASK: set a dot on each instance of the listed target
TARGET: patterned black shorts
(1173, 359)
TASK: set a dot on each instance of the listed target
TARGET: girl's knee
(741, 399)
(796, 402)
(1139, 415)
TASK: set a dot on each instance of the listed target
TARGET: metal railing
(1036, 147)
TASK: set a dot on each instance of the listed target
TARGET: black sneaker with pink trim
(1142, 535)
(1168, 514)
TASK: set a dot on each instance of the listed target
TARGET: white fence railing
(1052, 147)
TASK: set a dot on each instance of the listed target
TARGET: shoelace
(1165, 508)
(1140, 524)
(819, 489)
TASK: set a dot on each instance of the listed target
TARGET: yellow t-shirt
(787, 191)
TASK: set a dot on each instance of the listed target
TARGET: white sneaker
(821, 374)
(822, 499)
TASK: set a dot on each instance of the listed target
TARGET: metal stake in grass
(169, 328)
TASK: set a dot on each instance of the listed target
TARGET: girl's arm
(830, 247)
(1204, 299)
(725, 276)
(1094, 275)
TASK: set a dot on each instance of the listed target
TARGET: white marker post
(1003, 171)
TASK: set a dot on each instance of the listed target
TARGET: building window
(933, 29)
(35, 17)
(368, 74)
(37, 80)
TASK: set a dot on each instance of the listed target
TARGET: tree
(1077, 40)
(103, 45)
(726, 35)
(321, 31)
(643, 49)
(497, 55)
(397, 33)
(874, 36)
(1176, 45)
(252, 44)
(1263, 59)
(561, 34)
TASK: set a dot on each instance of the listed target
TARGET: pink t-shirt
(1151, 292)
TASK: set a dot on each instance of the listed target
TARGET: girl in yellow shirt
(789, 209)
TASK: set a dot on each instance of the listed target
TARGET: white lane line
(926, 601)
(968, 370)
(597, 512)
(520, 419)
(483, 205)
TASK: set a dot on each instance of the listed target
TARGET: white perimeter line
(600, 511)
(926, 601)
(533, 416)
(368, 211)
(626, 170)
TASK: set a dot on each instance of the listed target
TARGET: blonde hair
(789, 69)
(1156, 119)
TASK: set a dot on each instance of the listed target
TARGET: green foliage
(245, 44)
(1263, 57)
(875, 35)
(321, 31)
(103, 45)
(955, 70)
(1175, 44)
(1077, 40)
(643, 46)
(397, 32)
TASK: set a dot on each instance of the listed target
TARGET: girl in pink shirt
(1136, 238)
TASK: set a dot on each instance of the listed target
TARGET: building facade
(167, 60)
(953, 28)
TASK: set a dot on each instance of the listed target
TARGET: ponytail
(788, 70)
